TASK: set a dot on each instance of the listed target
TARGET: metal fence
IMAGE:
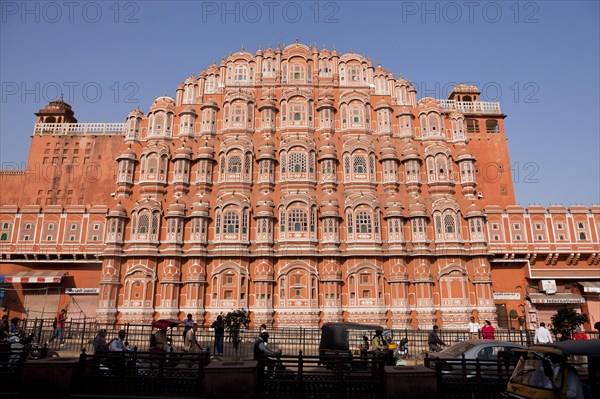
(79, 334)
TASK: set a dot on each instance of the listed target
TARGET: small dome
(416, 209)
(183, 152)
(118, 211)
(382, 104)
(380, 70)
(192, 79)
(200, 208)
(473, 211)
(176, 208)
(128, 154)
(212, 69)
(464, 154)
(137, 113)
(164, 102)
(207, 151)
(210, 104)
(188, 109)
(404, 111)
(409, 152)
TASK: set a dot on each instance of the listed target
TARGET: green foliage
(565, 321)
(234, 321)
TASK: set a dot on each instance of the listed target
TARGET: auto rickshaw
(336, 339)
(561, 370)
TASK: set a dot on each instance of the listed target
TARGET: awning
(34, 277)
(590, 286)
(555, 298)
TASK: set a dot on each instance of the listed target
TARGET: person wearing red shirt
(488, 330)
(579, 335)
(61, 317)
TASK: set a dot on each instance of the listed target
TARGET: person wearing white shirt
(473, 329)
(542, 335)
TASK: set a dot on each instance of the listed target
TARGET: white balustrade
(469, 107)
(74, 129)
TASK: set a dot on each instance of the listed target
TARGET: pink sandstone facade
(301, 184)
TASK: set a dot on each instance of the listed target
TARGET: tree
(565, 321)
(234, 321)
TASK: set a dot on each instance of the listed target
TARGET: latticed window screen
(282, 221)
(283, 162)
(143, 224)
(231, 222)
(298, 220)
(363, 222)
(360, 164)
(244, 221)
(347, 164)
(297, 162)
(350, 225)
(247, 165)
(154, 224)
(235, 164)
(449, 224)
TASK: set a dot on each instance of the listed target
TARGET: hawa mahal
(301, 184)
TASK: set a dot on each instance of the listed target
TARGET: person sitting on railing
(119, 344)
(265, 355)
(378, 343)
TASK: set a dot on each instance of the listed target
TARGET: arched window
(297, 220)
(363, 222)
(241, 74)
(360, 164)
(297, 72)
(449, 224)
(297, 162)
(235, 164)
(231, 222)
(143, 224)
(4, 237)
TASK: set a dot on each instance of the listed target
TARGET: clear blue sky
(540, 59)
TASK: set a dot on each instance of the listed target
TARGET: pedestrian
(187, 324)
(434, 341)
(263, 328)
(378, 344)
(487, 332)
(119, 344)
(14, 328)
(473, 329)
(268, 356)
(100, 345)
(59, 324)
(597, 326)
(579, 335)
(219, 327)
(159, 341)
(542, 335)
(190, 343)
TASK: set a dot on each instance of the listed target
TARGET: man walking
(61, 317)
(191, 341)
(542, 335)
(187, 324)
(219, 327)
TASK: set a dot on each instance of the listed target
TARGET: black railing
(471, 378)
(11, 368)
(79, 334)
(177, 374)
(322, 377)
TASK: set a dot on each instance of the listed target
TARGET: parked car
(485, 358)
